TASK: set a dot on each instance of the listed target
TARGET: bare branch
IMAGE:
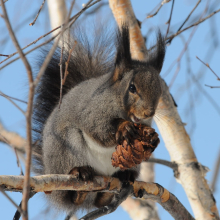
(47, 59)
(10, 100)
(3, 55)
(40, 45)
(61, 71)
(167, 163)
(67, 63)
(3, 2)
(28, 112)
(181, 55)
(62, 81)
(17, 214)
(162, 3)
(212, 87)
(169, 41)
(19, 100)
(48, 183)
(206, 94)
(72, 19)
(206, 64)
(14, 39)
(11, 200)
(31, 24)
(169, 20)
(189, 15)
(196, 23)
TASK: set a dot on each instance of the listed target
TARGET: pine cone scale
(130, 155)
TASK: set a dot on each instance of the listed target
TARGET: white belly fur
(99, 157)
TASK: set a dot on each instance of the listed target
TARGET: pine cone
(130, 155)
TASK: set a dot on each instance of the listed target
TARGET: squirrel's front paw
(150, 140)
(126, 131)
(83, 173)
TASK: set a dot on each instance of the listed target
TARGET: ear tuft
(156, 56)
(123, 59)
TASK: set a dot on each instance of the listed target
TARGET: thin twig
(15, 150)
(31, 24)
(3, 55)
(9, 99)
(85, 7)
(17, 214)
(189, 15)
(33, 42)
(28, 114)
(47, 60)
(61, 57)
(169, 21)
(181, 55)
(186, 19)
(195, 24)
(61, 72)
(67, 63)
(16, 28)
(40, 45)
(73, 19)
(19, 100)
(185, 48)
(206, 64)
(14, 39)
(167, 163)
(212, 87)
(11, 200)
(162, 3)
(209, 98)
(94, 10)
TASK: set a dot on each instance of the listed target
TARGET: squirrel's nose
(149, 113)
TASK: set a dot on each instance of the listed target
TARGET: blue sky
(196, 110)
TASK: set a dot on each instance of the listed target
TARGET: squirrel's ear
(123, 59)
(156, 56)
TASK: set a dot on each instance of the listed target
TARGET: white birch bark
(191, 174)
(57, 12)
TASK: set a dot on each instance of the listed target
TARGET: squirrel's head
(138, 82)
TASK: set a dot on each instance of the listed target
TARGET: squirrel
(105, 93)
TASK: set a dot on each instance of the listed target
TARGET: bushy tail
(92, 56)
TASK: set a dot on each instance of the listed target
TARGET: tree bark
(191, 174)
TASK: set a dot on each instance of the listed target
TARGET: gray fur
(82, 132)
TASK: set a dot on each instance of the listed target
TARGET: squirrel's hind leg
(84, 173)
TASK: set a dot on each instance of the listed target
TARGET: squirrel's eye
(132, 88)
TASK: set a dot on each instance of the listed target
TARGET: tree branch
(124, 193)
(32, 23)
(172, 129)
(48, 183)
(196, 23)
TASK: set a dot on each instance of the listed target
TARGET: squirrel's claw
(84, 173)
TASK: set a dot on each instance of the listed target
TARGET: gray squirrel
(105, 93)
